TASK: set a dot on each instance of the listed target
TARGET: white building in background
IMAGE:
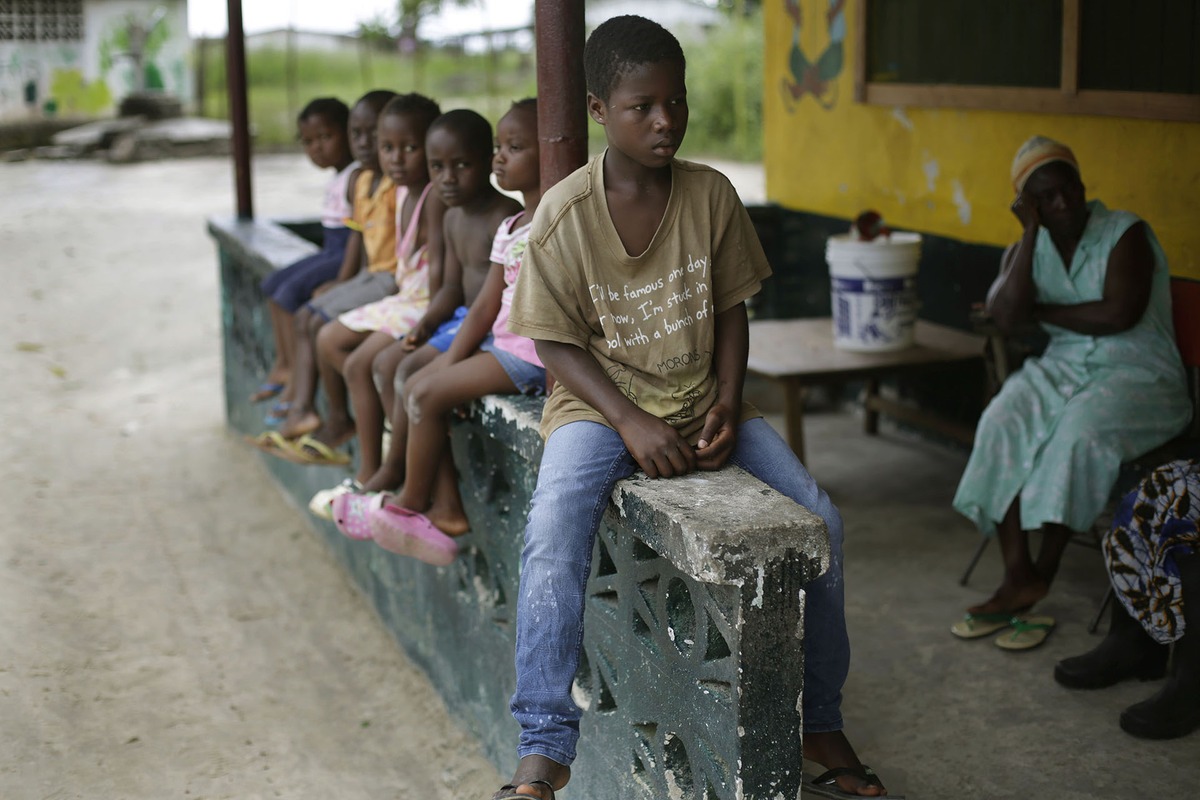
(73, 57)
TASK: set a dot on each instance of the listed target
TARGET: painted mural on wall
(946, 171)
(817, 75)
(108, 50)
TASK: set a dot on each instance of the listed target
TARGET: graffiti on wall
(815, 76)
(132, 51)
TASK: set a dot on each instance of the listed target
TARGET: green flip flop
(974, 626)
(1027, 633)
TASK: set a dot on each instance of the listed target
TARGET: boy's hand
(717, 439)
(657, 447)
(417, 336)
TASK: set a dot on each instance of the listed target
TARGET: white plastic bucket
(874, 291)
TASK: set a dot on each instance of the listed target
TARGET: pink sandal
(351, 513)
(410, 533)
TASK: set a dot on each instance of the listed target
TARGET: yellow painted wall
(945, 171)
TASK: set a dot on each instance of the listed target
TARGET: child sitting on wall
(458, 151)
(484, 358)
(321, 127)
(633, 286)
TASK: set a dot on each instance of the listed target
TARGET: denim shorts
(444, 335)
(528, 378)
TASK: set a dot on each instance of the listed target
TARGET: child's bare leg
(301, 417)
(390, 473)
(446, 510)
(383, 372)
(281, 326)
(335, 343)
(430, 399)
(368, 413)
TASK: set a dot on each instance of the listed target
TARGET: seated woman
(1109, 387)
(1153, 559)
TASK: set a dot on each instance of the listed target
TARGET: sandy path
(168, 626)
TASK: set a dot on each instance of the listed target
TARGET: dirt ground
(168, 627)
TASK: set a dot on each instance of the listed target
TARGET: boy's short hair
(376, 99)
(525, 104)
(621, 43)
(333, 110)
(420, 106)
(475, 131)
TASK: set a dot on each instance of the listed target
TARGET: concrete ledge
(693, 665)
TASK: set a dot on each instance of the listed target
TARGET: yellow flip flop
(1027, 633)
(314, 451)
(276, 444)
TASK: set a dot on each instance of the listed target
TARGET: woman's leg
(1022, 584)
(1175, 710)
(335, 343)
(368, 413)
(302, 417)
(430, 399)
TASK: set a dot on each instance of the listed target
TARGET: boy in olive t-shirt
(634, 287)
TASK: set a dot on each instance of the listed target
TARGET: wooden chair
(1185, 316)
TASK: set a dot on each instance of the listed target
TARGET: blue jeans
(581, 463)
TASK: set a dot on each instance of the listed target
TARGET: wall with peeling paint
(89, 77)
(941, 171)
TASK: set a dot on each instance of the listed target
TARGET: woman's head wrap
(1038, 152)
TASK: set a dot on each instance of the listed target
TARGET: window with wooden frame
(1126, 58)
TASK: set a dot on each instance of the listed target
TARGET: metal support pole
(562, 93)
(239, 114)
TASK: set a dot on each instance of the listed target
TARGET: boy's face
(324, 143)
(646, 115)
(362, 136)
(402, 149)
(458, 173)
(516, 160)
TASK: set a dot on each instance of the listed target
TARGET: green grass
(724, 87)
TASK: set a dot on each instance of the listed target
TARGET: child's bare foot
(1013, 597)
(334, 433)
(298, 423)
(449, 522)
(832, 750)
(536, 776)
(385, 479)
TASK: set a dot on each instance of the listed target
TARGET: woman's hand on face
(1024, 208)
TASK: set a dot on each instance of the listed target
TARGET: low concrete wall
(693, 664)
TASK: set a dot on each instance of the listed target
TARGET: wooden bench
(800, 353)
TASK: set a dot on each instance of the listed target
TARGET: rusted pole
(562, 94)
(239, 114)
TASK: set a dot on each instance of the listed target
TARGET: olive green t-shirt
(648, 320)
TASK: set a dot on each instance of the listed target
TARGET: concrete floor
(939, 717)
(168, 627)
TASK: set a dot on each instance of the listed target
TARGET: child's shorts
(293, 286)
(528, 378)
(444, 335)
(365, 287)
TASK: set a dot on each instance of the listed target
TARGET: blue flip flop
(265, 391)
(277, 414)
